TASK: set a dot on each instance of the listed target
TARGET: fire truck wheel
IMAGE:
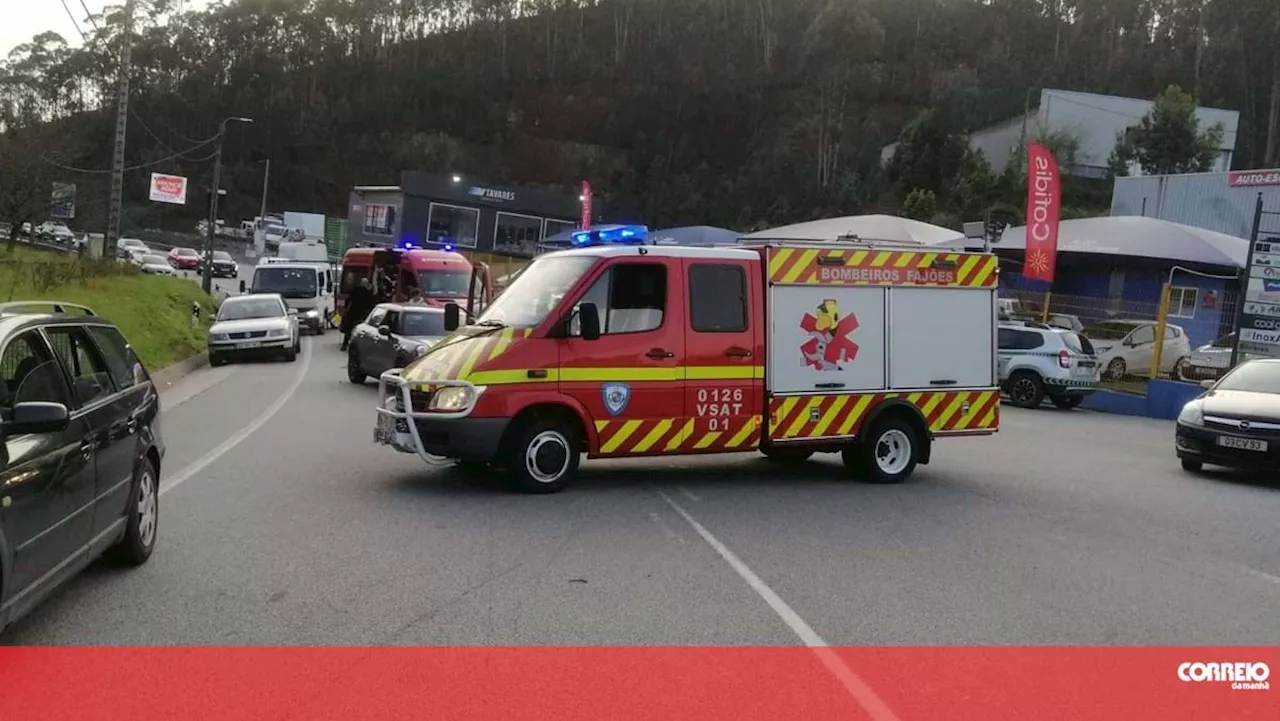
(787, 456)
(544, 456)
(887, 454)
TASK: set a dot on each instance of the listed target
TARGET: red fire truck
(439, 276)
(618, 348)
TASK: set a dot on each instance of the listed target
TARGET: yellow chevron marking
(857, 411)
(617, 439)
(988, 268)
(707, 440)
(653, 436)
(741, 436)
(829, 417)
(783, 411)
(806, 258)
(926, 259)
(777, 260)
(503, 342)
(803, 419)
(944, 420)
(904, 260)
(678, 440)
(930, 404)
(881, 258)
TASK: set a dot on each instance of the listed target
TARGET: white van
(306, 287)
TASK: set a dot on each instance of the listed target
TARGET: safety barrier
(1164, 399)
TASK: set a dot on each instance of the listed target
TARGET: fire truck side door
(724, 343)
(631, 378)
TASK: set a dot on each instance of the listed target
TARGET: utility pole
(266, 178)
(122, 123)
(206, 280)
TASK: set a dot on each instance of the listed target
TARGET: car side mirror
(589, 321)
(38, 417)
(452, 317)
(384, 331)
(242, 286)
(293, 311)
(1206, 384)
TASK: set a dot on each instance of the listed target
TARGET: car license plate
(1243, 444)
(1088, 364)
(245, 346)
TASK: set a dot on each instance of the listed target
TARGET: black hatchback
(79, 476)
(1236, 423)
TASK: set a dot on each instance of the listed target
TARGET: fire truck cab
(438, 276)
(617, 348)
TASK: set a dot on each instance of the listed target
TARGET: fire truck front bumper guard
(437, 437)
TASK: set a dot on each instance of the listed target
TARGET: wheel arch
(910, 413)
(560, 408)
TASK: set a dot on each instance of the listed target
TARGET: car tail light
(1064, 359)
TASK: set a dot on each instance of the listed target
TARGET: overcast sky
(21, 19)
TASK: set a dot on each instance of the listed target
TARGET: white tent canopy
(865, 227)
(1137, 236)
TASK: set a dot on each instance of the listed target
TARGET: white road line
(203, 461)
(861, 692)
(193, 385)
(688, 495)
(667, 531)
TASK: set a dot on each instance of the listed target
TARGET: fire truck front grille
(420, 400)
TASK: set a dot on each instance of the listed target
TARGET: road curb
(166, 377)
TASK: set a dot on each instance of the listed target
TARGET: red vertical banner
(1044, 209)
(585, 221)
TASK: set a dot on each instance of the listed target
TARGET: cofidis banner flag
(1044, 208)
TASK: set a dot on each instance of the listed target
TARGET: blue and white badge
(616, 397)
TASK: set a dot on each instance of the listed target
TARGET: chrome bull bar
(401, 398)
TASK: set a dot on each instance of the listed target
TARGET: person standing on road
(358, 307)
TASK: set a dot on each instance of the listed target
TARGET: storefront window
(517, 235)
(556, 226)
(453, 224)
(379, 219)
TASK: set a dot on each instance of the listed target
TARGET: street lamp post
(206, 280)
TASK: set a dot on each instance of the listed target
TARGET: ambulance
(618, 348)
(438, 276)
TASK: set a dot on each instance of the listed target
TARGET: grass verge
(153, 312)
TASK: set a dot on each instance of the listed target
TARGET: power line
(139, 166)
(72, 18)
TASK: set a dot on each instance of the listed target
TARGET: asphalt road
(1065, 528)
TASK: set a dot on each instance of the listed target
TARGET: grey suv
(80, 471)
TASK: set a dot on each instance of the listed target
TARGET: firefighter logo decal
(829, 346)
(616, 397)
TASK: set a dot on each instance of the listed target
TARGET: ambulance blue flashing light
(611, 235)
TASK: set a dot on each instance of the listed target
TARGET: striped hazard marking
(833, 416)
(673, 435)
(799, 266)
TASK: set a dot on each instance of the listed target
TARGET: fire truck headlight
(451, 399)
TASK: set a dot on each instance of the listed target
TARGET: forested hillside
(726, 112)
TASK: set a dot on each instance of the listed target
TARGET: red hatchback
(184, 259)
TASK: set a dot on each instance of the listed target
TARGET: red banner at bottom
(660, 683)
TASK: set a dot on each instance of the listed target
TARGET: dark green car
(80, 465)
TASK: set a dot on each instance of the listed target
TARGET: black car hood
(1242, 404)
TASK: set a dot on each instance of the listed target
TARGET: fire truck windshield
(537, 291)
(444, 283)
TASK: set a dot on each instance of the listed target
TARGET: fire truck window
(632, 298)
(717, 298)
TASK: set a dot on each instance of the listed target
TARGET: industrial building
(1093, 120)
(435, 211)
(1221, 202)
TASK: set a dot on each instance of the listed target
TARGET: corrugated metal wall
(1203, 200)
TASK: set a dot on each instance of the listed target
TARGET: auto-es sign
(1253, 178)
(492, 194)
(168, 189)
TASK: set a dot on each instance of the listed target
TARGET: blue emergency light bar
(611, 235)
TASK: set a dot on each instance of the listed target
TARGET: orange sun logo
(1038, 262)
